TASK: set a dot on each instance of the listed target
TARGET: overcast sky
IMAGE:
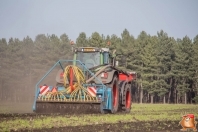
(21, 18)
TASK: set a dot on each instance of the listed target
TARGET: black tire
(127, 99)
(115, 94)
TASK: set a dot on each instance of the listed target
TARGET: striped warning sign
(92, 91)
(44, 90)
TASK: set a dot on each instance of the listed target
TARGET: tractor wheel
(127, 98)
(115, 95)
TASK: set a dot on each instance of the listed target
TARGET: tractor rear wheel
(127, 98)
(115, 94)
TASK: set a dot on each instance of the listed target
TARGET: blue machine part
(50, 88)
(60, 88)
(107, 102)
(109, 99)
(103, 92)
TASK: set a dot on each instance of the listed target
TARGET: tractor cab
(92, 57)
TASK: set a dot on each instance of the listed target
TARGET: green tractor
(91, 83)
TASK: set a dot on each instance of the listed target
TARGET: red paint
(71, 79)
(128, 99)
(44, 89)
(115, 94)
(104, 75)
(61, 74)
(124, 77)
(54, 90)
(92, 91)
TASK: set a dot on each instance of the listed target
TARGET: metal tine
(64, 108)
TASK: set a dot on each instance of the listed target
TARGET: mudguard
(111, 72)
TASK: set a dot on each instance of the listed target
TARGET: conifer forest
(166, 67)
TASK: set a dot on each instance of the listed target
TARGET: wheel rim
(115, 95)
(128, 99)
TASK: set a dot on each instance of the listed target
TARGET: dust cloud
(17, 90)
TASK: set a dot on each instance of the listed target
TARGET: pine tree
(182, 68)
(96, 40)
(195, 68)
(81, 41)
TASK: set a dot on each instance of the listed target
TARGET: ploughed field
(143, 117)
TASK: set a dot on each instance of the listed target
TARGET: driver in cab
(89, 60)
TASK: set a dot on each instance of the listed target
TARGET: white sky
(21, 18)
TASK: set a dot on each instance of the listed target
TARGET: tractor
(90, 83)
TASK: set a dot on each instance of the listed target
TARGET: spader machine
(90, 83)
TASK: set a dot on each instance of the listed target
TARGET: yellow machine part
(77, 91)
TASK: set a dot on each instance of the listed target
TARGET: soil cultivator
(90, 83)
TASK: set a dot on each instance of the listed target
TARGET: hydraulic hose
(75, 89)
(97, 73)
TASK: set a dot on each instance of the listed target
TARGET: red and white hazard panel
(92, 91)
(44, 90)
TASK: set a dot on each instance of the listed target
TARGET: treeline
(166, 67)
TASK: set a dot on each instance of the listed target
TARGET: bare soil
(139, 126)
(169, 126)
